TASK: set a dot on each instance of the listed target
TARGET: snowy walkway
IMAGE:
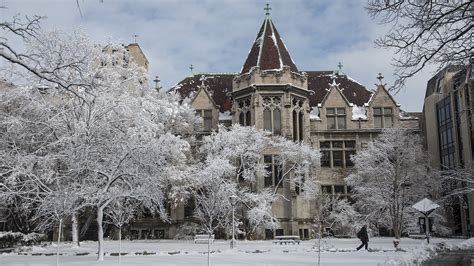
(336, 252)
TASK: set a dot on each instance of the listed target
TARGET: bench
(286, 240)
(203, 239)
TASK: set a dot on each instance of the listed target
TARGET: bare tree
(460, 179)
(424, 32)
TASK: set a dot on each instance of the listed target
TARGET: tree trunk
(120, 245)
(209, 250)
(59, 240)
(100, 233)
(75, 231)
(319, 244)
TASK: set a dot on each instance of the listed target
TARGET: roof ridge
(271, 54)
(276, 44)
(262, 40)
(216, 73)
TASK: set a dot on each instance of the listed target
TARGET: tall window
(272, 114)
(383, 117)
(336, 118)
(337, 153)
(273, 169)
(298, 128)
(245, 116)
(206, 116)
(445, 131)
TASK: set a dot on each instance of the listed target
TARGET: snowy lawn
(174, 252)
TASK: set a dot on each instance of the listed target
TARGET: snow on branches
(234, 165)
(390, 176)
(103, 139)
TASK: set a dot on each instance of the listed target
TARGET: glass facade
(445, 131)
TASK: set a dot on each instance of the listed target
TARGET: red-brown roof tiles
(220, 86)
(268, 50)
(318, 81)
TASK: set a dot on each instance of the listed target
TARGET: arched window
(272, 114)
(298, 120)
(245, 116)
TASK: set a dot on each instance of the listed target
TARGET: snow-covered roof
(220, 86)
(425, 205)
(318, 82)
(268, 51)
(406, 116)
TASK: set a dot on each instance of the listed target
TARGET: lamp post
(425, 207)
(233, 201)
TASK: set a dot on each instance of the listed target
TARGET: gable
(382, 98)
(335, 98)
(202, 100)
(219, 87)
(318, 83)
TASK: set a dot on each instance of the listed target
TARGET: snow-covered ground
(173, 252)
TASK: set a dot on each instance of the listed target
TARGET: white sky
(216, 35)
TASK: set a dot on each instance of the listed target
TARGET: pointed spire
(268, 50)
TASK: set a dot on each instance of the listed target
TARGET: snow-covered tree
(389, 177)
(105, 132)
(333, 213)
(298, 163)
(238, 152)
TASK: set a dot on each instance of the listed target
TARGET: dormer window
(383, 117)
(336, 118)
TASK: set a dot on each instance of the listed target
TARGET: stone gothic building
(327, 109)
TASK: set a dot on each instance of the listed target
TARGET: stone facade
(328, 110)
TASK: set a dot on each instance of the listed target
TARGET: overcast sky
(216, 35)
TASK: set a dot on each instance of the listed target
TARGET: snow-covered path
(336, 252)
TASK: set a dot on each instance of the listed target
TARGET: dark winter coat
(362, 234)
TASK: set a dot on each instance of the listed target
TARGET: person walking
(364, 237)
